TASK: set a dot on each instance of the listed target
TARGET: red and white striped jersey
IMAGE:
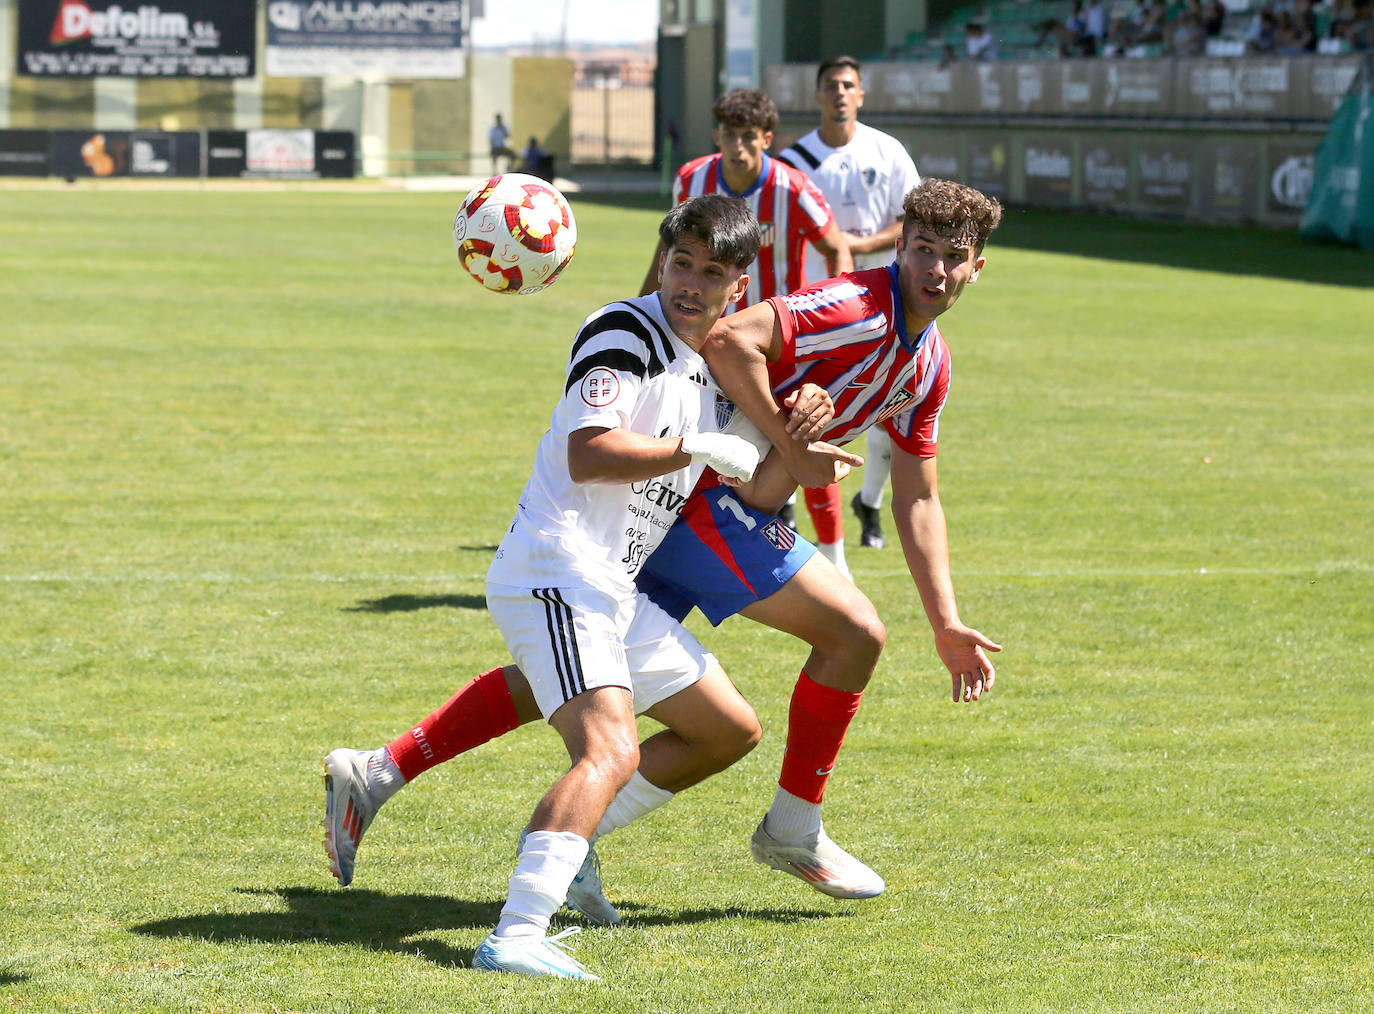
(848, 335)
(791, 211)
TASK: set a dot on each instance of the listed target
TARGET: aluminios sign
(346, 15)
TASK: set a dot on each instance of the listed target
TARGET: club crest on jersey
(767, 233)
(894, 404)
(870, 177)
(779, 535)
(725, 411)
(600, 387)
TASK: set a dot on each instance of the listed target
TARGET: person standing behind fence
(865, 174)
(498, 138)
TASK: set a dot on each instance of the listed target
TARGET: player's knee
(614, 758)
(732, 740)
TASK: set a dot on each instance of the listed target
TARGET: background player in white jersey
(864, 174)
(801, 244)
(637, 426)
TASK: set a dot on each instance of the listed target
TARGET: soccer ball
(514, 234)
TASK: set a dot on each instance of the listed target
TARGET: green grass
(256, 449)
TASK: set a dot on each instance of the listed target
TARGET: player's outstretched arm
(920, 521)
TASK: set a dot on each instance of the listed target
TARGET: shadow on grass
(398, 922)
(12, 978)
(414, 603)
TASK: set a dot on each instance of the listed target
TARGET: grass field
(256, 450)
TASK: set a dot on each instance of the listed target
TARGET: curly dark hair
(746, 107)
(952, 211)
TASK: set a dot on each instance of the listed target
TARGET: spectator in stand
(948, 57)
(1360, 31)
(1306, 18)
(1096, 18)
(1213, 18)
(1259, 37)
(1290, 38)
(1153, 27)
(1071, 34)
(979, 42)
(1186, 37)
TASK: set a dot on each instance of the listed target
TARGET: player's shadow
(12, 978)
(370, 919)
(400, 922)
(414, 603)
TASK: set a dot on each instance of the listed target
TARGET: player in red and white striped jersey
(793, 214)
(791, 211)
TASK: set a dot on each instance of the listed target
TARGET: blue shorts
(721, 555)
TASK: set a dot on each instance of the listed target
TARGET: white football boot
(818, 861)
(348, 809)
(542, 956)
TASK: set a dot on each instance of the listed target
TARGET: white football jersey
(629, 370)
(865, 182)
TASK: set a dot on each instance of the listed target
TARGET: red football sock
(479, 712)
(824, 506)
(816, 723)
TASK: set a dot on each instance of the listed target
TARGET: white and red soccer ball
(514, 233)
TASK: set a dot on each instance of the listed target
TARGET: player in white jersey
(864, 174)
(638, 424)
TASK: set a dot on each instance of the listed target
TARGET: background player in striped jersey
(864, 175)
(799, 230)
(792, 214)
(638, 424)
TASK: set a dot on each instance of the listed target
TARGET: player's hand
(963, 650)
(819, 464)
(811, 409)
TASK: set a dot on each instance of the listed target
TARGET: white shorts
(571, 640)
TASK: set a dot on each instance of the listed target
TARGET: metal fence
(612, 122)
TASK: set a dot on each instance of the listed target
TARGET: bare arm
(833, 245)
(885, 239)
(597, 455)
(738, 351)
(920, 521)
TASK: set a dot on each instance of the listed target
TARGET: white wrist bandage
(731, 456)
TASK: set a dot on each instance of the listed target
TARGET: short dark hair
(746, 107)
(838, 61)
(952, 211)
(724, 224)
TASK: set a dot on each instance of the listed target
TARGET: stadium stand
(1018, 26)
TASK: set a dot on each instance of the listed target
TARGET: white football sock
(792, 818)
(548, 863)
(834, 552)
(638, 797)
(877, 467)
(384, 778)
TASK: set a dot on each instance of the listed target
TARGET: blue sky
(517, 22)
